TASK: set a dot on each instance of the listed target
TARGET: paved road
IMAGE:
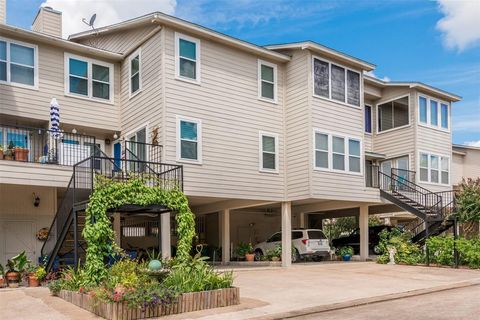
(457, 304)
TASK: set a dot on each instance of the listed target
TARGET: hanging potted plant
(346, 253)
(16, 266)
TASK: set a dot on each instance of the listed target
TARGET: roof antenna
(91, 22)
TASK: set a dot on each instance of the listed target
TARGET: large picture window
(434, 168)
(89, 78)
(336, 82)
(393, 114)
(337, 153)
(18, 63)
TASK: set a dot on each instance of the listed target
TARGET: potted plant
(2, 276)
(275, 253)
(1, 152)
(21, 154)
(346, 253)
(9, 152)
(16, 266)
(246, 250)
(37, 276)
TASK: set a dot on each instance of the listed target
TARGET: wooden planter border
(186, 302)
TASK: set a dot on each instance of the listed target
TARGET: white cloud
(473, 143)
(372, 74)
(461, 23)
(108, 11)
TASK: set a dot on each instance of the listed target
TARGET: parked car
(353, 240)
(310, 243)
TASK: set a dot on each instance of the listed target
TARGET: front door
(19, 236)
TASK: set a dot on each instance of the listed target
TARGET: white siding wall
(226, 102)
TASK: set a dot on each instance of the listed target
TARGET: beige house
(266, 137)
(465, 163)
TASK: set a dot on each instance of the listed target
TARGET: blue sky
(402, 37)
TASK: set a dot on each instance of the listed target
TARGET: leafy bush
(346, 251)
(469, 251)
(406, 251)
(468, 201)
(244, 248)
(441, 250)
(276, 252)
(55, 286)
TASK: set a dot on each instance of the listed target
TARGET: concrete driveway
(272, 293)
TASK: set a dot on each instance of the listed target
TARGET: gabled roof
(10, 31)
(413, 84)
(316, 47)
(185, 26)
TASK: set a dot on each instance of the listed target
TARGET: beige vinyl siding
(457, 168)
(298, 126)
(21, 173)
(35, 104)
(145, 107)
(398, 142)
(227, 103)
(49, 23)
(120, 41)
(336, 118)
(465, 166)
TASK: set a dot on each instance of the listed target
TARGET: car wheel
(295, 256)
(258, 255)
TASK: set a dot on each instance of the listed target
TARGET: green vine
(109, 194)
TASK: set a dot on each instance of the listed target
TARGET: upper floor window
(135, 73)
(337, 153)
(267, 81)
(187, 58)
(89, 78)
(18, 63)
(393, 114)
(368, 119)
(434, 168)
(268, 152)
(336, 82)
(189, 139)
(433, 113)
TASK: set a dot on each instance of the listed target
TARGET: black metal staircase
(435, 209)
(65, 244)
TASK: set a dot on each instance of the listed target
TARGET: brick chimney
(48, 21)
(3, 11)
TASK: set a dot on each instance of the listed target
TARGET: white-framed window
(189, 140)
(393, 114)
(187, 58)
(268, 147)
(135, 73)
(434, 168)
(433, 113)
(368, 118)
(267, 81)
(88, 78)
(336, 82)
(18, 63)
(334, 152)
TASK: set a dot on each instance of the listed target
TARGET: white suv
(305, 243)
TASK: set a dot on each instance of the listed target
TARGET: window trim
(275, 81)
(346, 140)
(197, 42)
(8, 63)
(90, 62)
(440, 157)
(199, 159)
(377, 113)
(330, 81)
(371, 119)
(261, 134)
(140, 72)
(439, 113)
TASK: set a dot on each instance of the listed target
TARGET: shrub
(469, 251)
(406, 251)
(441, 250)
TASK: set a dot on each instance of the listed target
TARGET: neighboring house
(465, 163)
(267, 136)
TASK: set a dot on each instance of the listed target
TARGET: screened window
(269, 152)
(337, 153)
(335, 82)
(368, 119)
(434, 168)
(18, 63)
(189, 140)
(393, 114)
(188, 58)
(135, 81)
(89, 78)
(422, 104)
(321, 150)
(267, 73)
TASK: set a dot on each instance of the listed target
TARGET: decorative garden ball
(155, 265)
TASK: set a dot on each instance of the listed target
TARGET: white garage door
(19, 236)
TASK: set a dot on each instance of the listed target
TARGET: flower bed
(185, 302)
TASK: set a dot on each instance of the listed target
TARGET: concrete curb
(365, 301)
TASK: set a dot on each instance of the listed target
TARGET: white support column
(363, 222)
(286, 234)
(117, 228)
(166, 236)
(303, 218)
(224, 217)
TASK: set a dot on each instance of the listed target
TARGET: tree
(468, 204)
